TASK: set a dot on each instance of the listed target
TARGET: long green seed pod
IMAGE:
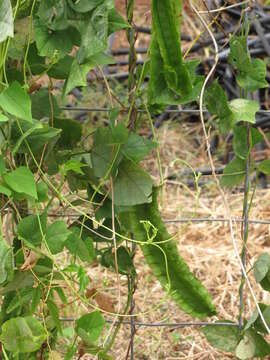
(166, 20)
(166, 263)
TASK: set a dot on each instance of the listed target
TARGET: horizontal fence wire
(161, 324)
(167, 111)
(185, 220)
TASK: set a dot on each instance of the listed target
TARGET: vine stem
(223, 196)
(244, 229)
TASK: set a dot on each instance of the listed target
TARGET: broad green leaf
(246, 348)
(256, 322)
(44, 266)
(23, 297)
(222, 337)
(244, 110)
(254, 317)
(83, 6)
(116, 21)
(36, 138)
(264, 167)
(251, 73)
(36, 63)
(23, 334)
(43, 105)
(239, 57)
(50, 42)
(78, 72)
(94, 33)
(16, 101)
(3, 118)
(124, 261)
(53, 14)
(77, 75)
(3, 169)
(73, 165)
(261, 267)
(251, 346)
(54, 312)
(132, 186)
(217, 104)
(79, 247)
(56, 235)
(137, 147)
(4, 190)
(262, 347)
(24, 136)
(240, 140)
(6, 20)
(31, 228)
(21, 280)
(102, 155)
(71, 132)
(61, 69)
(22, 181)
(6, 267)
(119, 134)
(252, 81)
(42, 191)
(234, 173)
(89, 327)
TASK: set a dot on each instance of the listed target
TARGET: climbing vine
(50, 162)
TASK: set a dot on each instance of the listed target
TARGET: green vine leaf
(62, 68)
(94, 33)
(222, 337)
(252, 73)
(53, 14)
(252, 345)
(31, 228)
(240, 145)
(37, 134)
(137, 147)
(234, 173)
(261, 267)
(132, 186)
(6, 20)
(264, 167)
(6, 267)
(84, 6)
(50, 43)
(217, 104)
(84, 249)
(54, 312)
(244, 110)
(23, 334)
(3, 118)
(16, 101)
(56, 235)
(22, 181)
(44, 105)
(102, 153)
(89, 327)
(116, 21)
